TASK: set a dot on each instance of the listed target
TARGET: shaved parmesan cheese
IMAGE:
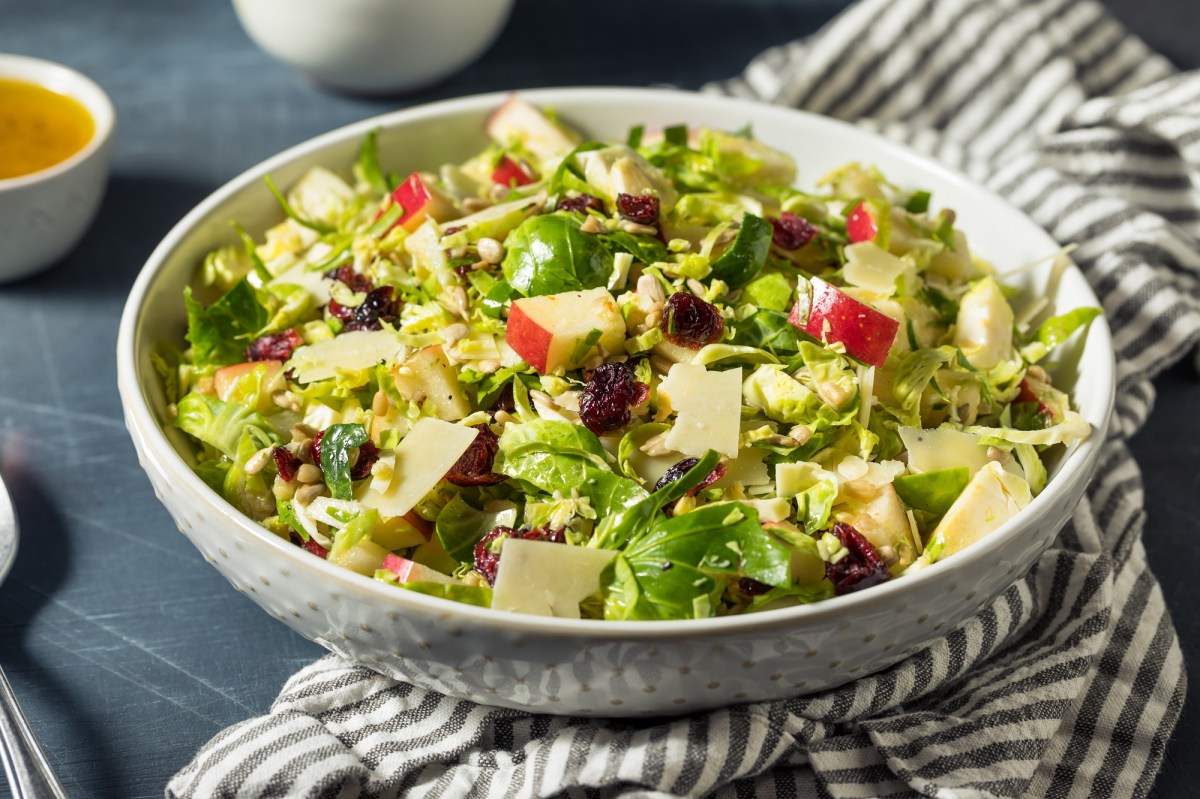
(872, 268)
(942, 448)
(358, 349)
(422, 460)
(747, 468)
(777, 509)
(545, 579)
(709, 408)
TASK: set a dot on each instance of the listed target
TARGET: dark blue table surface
(127, 650)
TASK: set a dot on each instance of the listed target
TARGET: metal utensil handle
(29, 773)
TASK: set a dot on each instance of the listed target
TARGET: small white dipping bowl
(45, 213)
(566, 666)
(374, 46)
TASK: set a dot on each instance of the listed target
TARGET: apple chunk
(409, 571)
(560, 331)
(421, 201)
(861, 224)
(509, 173)
(427, 375)
(516, 120)
(831, 316)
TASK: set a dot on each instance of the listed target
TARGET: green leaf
(743, 260)
(912, 377)
(222, 425)
(768, 330)
(478, 595)
(287, 515)
(385, 222)
(336, 444)
(637, 515)
(680, 565)
(1056, 330)
(644, 249)
(368, 168)
(460, 525)
(918, 202)
(933, 492)
(256, 263)
(676, 135)
(220, 333)
(567, 175)
(549, 254)
(945, 308)
(553, 455)
(634, 139)
(772, 291)
(312, 224)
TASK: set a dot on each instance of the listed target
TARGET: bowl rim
(154, 445)
(61, 79)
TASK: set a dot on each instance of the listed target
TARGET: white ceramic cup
(374, 46)
(45, 213)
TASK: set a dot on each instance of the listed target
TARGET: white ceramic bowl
(374, 46)
(45, 213)
(560, 665)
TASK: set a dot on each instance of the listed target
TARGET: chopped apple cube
(546, 579)
(517, 121)
(225, 379)
(709, 408)
(509, 173)
(427, 375)
(421, 201)
(861, 224)
(422, 460)
(409, 571)
(561, 331)
(830, 315)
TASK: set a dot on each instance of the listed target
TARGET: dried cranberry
(274, 347)
(315, 548)
(504, 400)
(346, 274)
(287, 463)
(752, 587)
(580, 203)
(861, 567)
(639, 208)
(683, 467)
(609, 395)
(368, 453)
(474, 468)
(339, 311)
(379, 306)
(691, 322)
(487, 552)
(316, 448)
(450, 231)
(792, 232)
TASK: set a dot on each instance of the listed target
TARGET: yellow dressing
(38, 128)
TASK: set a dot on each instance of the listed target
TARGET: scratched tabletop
(127, 650)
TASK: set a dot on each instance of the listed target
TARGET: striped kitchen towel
(1071, 682)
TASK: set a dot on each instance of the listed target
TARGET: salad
(646, 379)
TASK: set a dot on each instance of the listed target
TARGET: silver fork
(29, 773)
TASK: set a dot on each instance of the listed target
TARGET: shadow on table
(43, 554)
(137, 211)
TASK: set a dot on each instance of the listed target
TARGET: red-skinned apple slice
(225, 377)
(831, 316)
(509, 173)
(516, 120)
(861, 225)
(420, 201)
(408, 571)
(553, 331)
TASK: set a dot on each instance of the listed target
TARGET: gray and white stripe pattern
(1070, 683)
